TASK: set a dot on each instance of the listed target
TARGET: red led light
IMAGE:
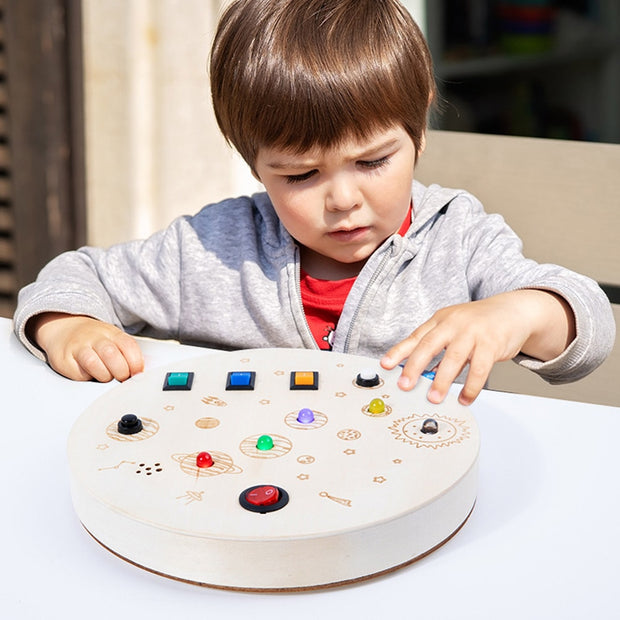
(204, 459)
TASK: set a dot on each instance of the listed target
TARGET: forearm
(129, 285)
(551, 322)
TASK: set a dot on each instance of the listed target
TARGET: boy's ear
(422, 144)
(422, 148)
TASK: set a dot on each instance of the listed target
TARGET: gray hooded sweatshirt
(228, 278)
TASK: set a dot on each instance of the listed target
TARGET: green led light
(265, 442)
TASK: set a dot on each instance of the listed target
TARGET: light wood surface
(368, 490)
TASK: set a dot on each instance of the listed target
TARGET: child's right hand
(83, 348)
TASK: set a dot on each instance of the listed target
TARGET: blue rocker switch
(241, 380)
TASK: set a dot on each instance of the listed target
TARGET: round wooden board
(366, 489)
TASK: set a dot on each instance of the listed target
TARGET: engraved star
(340, 394)
(278, 373)
(102, 446)
(379, 479)
(265, 401)
(303, 477)
(169, 408)
(349, 451)
(397, 461)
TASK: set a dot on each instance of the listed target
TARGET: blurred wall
(153, 150)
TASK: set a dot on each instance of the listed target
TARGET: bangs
(317, 73)
(321, 107)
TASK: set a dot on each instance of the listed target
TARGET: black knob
(129, 424)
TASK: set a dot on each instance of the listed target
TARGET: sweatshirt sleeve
(497, 264)
(134, 285)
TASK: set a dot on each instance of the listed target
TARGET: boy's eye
(369, 165)
(375, 163)
(298, 178)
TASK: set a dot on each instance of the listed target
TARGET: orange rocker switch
(304, 380)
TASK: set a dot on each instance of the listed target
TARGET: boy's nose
(342, 195)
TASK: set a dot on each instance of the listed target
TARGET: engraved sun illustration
(410, 430)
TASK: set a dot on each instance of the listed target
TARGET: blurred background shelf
(537, 68)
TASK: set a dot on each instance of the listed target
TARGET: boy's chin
(331, 267)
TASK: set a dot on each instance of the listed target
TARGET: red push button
(263, 496)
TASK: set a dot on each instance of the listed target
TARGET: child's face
(341, 204)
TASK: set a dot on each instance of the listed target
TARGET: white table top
(543, 540)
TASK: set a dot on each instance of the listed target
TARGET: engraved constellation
(117, 466)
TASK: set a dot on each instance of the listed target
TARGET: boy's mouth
(349, 234)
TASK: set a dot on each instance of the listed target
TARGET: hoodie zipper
(299, 299)
(356, 312)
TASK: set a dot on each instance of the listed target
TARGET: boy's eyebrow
(305, 165)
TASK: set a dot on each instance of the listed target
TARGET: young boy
(327, 101)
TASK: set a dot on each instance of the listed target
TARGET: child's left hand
(534, 322)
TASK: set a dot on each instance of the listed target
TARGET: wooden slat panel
(5, 154)
(6, 219)
(7, 250)
(44, 75)
(7, 281)
(7, 307)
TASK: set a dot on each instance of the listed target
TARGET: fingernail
(386, 360)
(434, 396)
(404, 383)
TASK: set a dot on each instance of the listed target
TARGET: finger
(454, 360)
(73, 365)
(132, 353)
(403, 349)
(92, 365)
(113, 359)
(479, 369)
(429, 346)
(70, 369)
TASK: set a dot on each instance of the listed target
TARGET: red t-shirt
(323, 300)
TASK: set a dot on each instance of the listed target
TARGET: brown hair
(298, 74)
